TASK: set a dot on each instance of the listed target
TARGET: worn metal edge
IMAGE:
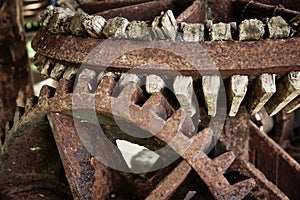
(229, 58)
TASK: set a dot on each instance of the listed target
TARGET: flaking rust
(77, 154)
(87, 176)
(274, 162)
(226, 55)
(248, 53)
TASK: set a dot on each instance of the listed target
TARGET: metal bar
(274, 162)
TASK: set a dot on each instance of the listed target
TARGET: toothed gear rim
(61, 103)
(129, 95)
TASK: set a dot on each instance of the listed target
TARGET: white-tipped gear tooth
(140, 30)
(126, 78)
(87, 73)
(116, 27)
(106, 74)
(94, 25)
(56, 19)
(278, 28)
(210, 87)
(57, 71)
(236, 92)
(76, 27)
(251, 29)
(46, 68)
(70, 73)
(263, 88)
(288, 89)
(154, 84)
(220, 31)
(86, 80)
(169, 25)
(157, 30)
(192, 32)
(293, 105)
(165, 26)
(184, 91)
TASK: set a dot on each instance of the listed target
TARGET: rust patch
(274, 162)
(230, 58)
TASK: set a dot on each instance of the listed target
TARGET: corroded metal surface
(282, 55)
(125, 106)
(274, 162)
(168, 186)
(228, 64)
(264, 188)
(29, 155)
(88, 178)
(59, 101)
(99, 6)
(189, 16)
(261, 10)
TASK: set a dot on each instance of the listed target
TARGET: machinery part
(88, 178)
(36, 171)
(98, 6)
(253, 8)
(54, 19)
(67, 51)
(270, 190)
(189, 16)
(227, 190)
(274, 162)
(60, 102)
(197, 11)
(255, 66)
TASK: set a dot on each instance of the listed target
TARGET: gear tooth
(154, 83)
(107, 83)
(288, 88)
(164, 110)
(129, 84)
(30, 102)
(47, 68)
(126, 78)
(102, 75)
(64, 86)
(224, 161)
(39, 61)
(86, 82)
(211, 87)
(18, 114)
(184, 92)
(70, 73)
(236, 91)
(47, 92)
(262, 89)
(243, 188)
(57, 71)
(8, 126)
